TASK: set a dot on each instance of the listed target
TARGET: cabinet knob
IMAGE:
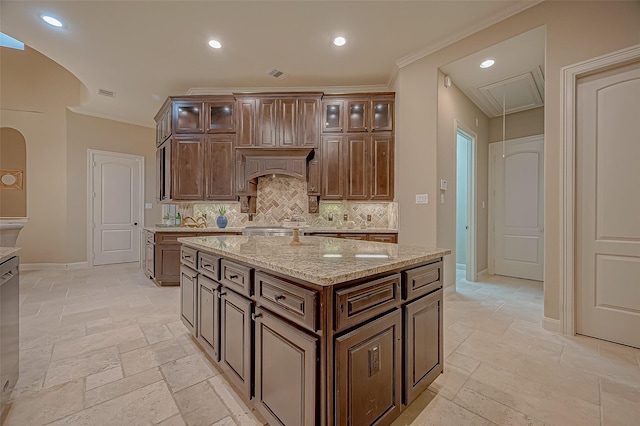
(365, 128)
(221, 293)
(279, 297)
(255, 316)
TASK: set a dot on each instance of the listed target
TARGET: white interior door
(608, 205)
(517, 190)
(116, 200)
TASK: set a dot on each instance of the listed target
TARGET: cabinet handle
(255, 316)
(186, 256)
(365, 128)
(206, 265)
(279, 297)
(373, 129)
(233, 277)
(221, 293)
(340, 128)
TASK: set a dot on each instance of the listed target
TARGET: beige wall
(13, 156)
(517, 125)
(575, 31)
(86, 132)
(454, 106)
(35, 95)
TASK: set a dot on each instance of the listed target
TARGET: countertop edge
(7, 253)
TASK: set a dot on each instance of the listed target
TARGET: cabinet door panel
(287, 123)
(246, 121)
(149, 259)
(357, 168)
(308, 123)
(382, 115)
(235, 347)
(188, 298)
(286, 371)
(219, 168)
(332, 116)
(267, 123)
(163, 171)
(382, 170)
(368, 372)
(187, 182)
(423, 344)
(220, 117)
(209, 316)
(332, 168)
(357, 115)
(188, 117)
(167, 263)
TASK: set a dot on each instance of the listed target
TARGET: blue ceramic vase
(221, 221)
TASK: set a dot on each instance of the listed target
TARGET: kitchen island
(330, 332)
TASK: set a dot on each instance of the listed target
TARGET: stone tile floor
(105, 346)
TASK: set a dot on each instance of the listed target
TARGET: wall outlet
(422, 198)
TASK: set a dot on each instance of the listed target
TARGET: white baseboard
(52, 266)
(551, 324)
(450, 289)
(483, 273)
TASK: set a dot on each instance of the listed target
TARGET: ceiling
(145, 51)
(518, 74)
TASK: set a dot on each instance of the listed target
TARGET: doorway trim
(91, 153)
(472, 190)
(570, 75)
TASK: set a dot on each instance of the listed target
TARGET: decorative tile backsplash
(279, 196)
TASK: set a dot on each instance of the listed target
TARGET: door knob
(135, 223)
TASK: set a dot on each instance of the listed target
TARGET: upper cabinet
(358, 113)
(220, 116)
(163, 122)
(278, 121)
(188, 117)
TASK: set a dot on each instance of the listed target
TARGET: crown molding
(83, 111)
(479, 26)
(326, 90)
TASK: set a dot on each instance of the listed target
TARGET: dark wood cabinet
(382, 167)
(332, 115)
(313, 177)
(188, 298)
(209, 316)
(382, 113)
(368, 372)
(220, 116)
(383, 238)
(286, 371)
(163, 171)
(309, 122)
(423, 344)
(236, 337)
(219, 171)
(332, 167)
(358, 115)
(358, 167)
(188, 117)
(187, 168)
(163, 122)
(245, 121)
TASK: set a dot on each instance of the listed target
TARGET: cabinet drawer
(236, 277)
(209, 265)
(422, 280)
(188, 256)
(358, 303)
(286, 299)
(172, 238)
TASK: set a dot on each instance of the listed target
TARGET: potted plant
(221, 220)
(166, 220)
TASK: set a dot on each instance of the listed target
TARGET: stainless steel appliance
(267, 230)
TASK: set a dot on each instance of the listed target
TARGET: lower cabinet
(209, 316)
(423, 344)
(236, 337)
(286, 371)
(368, 372)
(188, 298)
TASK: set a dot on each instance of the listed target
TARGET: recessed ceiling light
(215, 44)
(339, 41)
(51, 21)
(487, 63)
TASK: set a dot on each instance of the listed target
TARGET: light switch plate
(443, 184)
(422, 198)
(148, 206)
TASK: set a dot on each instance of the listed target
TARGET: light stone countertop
(187, 229)
(319, 260)
(304, 230)
(8, 252)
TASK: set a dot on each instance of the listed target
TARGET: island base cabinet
(188, 298)
(423, 344)
(209, 316)
(286, 371)
(369, 372)
(236, 338)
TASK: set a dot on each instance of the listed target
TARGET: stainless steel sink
(267, 230)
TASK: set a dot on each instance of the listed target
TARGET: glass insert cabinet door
(332, 116)
(382, 116)
(358, 116)
(187, 117)
(220, 117)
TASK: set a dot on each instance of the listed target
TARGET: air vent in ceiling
(277, 74)
(107, 93)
